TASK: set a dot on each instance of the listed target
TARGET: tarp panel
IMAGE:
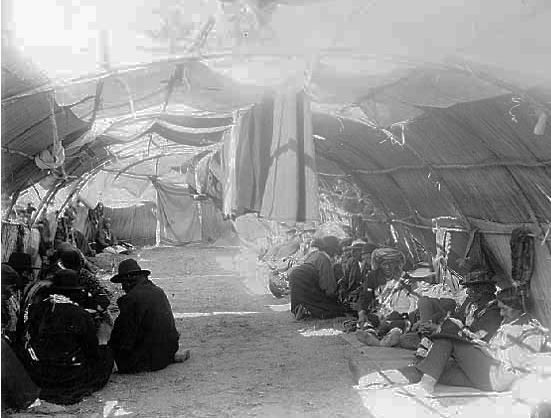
(19, 74)
(174, 133)
(536, 190)
(136, 223)
(178, 215)
(425, 193)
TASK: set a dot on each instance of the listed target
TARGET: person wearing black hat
(22, 263)
(144, 336)
(97, 295)
(479, 312)
(313, 284)
(65, 356)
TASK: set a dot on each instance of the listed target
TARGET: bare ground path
(249, 356)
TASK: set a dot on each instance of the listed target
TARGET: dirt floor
(249, 356)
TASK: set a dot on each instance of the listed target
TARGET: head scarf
(388, 254)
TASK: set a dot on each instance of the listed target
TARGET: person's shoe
(367, 338)
(392, 338)
(300, 312)
(180, 358)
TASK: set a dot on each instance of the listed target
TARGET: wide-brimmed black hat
(20, 262)
(128, 267)
(10, 277)
(66, 279)
(71, 260)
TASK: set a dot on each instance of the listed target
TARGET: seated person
(351, 273)
(313, 284)
(67, 233)
(97, 296)
(458, 358)
(340, 261)
(144, 337)
(23, 265)
(46, 242)
(106, 241)
(386, 264)
(105, 238)
(11, 282)
(365, 261)
(64, 356)
(19, 392)
(382, 304)
(479, 311)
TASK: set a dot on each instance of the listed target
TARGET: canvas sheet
(178, 215)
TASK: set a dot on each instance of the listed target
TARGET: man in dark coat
(144, 337)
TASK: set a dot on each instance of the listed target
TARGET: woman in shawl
(510, 354)
(65, 356)
(313, 284)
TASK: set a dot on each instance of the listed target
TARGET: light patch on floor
(280, 308)
(320, 332)
(112, 408)
(204, 276)
(179, 315)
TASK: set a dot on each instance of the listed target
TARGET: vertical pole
(158, 227)
(8, 23)
(104, 50)
(12, 204)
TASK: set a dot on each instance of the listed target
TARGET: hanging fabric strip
(54, 157)
(291, 192)
(230, 151)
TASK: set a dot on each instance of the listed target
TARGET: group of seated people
(59, 342)
(339, 277)
(488, 340)
(99, 237)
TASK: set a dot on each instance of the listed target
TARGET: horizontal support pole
(443, 167)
